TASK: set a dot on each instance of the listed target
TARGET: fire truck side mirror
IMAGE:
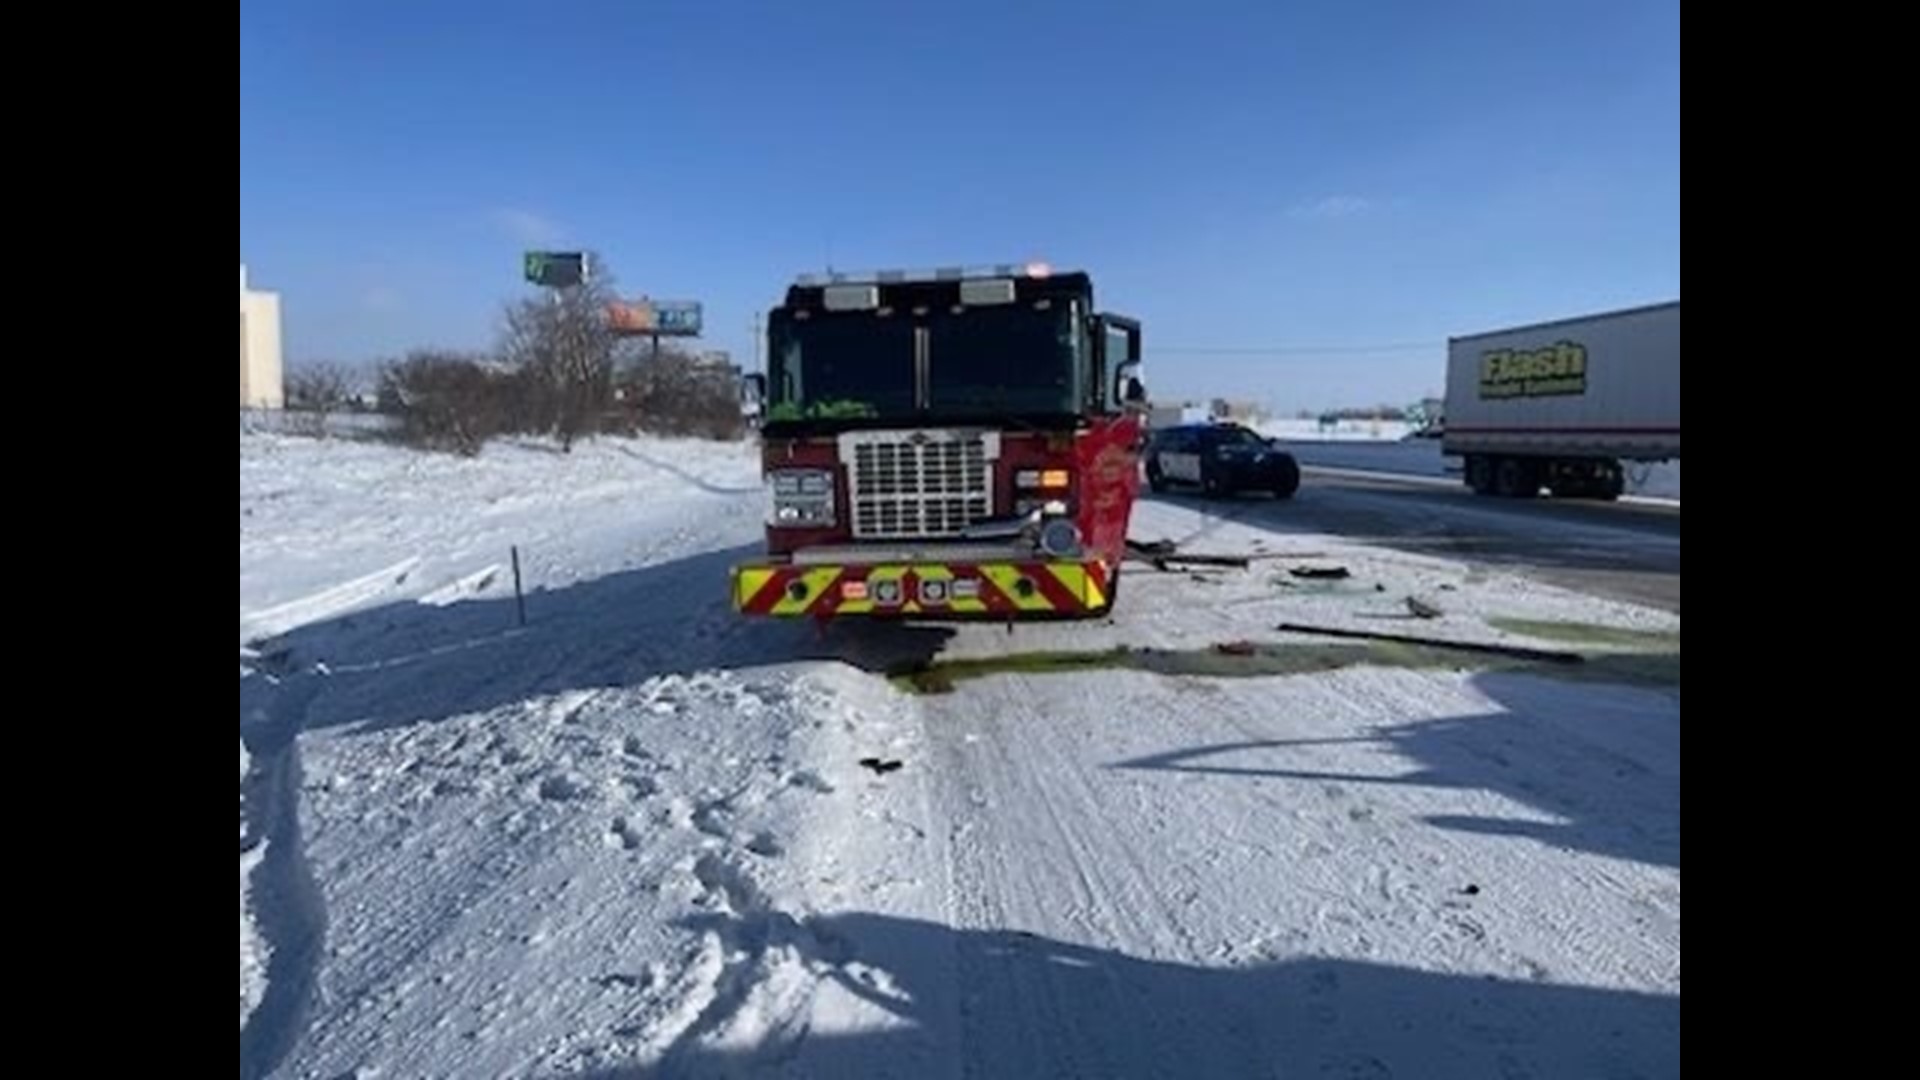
(1120, 354)
(753, 388)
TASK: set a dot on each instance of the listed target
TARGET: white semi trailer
(1562, 405)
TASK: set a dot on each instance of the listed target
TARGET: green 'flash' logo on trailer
(1558, 370)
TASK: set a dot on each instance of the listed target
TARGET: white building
(1166, 416)
(262, 378)
(1238, 412)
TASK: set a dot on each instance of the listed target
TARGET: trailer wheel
(1579, 479)
(1611, 484)
(1516, 479)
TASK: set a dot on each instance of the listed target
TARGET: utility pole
(759, 358)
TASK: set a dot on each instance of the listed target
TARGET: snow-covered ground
(634, 836)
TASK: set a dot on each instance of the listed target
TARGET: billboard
(554, 269)
(655, 318)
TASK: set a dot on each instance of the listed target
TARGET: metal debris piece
(1423, 609)
(1519, 652)
(1236, 561)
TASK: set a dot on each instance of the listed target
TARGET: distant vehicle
(1220, 459)
(1561, 405)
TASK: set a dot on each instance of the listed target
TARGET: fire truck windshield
(1004, 359)
(841, 366)
(982, 361)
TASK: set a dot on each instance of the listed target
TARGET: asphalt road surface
(1627, 551)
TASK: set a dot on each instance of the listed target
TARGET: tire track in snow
(438, 892)
(1063, 873)
(426, 894)
(430, 884)
(1362, 788)
(287, 912)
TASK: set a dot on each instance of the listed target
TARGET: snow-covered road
(635, 835)
(1624, 551)
(1421, 457)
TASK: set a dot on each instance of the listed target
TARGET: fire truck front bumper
(930, 584)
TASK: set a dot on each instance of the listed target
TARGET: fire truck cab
(945, 445)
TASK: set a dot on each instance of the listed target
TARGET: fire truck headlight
(1043, 507)
(802, 482)
(803, 512)
(1046, 479)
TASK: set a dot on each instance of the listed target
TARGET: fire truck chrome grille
(908, 484)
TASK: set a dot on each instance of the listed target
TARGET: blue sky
(1340, 184)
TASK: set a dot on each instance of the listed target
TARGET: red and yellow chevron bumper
(924, 590)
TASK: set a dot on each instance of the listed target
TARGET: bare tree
(554, 372)
(675, 393)
(562, 347)
(448, 400)
(318, 389)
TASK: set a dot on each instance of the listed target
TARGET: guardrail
(341, 425)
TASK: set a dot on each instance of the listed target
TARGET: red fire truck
(944, 445)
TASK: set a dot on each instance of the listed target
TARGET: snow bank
(252, 949)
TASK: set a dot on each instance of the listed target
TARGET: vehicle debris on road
(1424, 609)
(1519, 652)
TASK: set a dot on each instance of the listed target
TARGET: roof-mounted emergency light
(850, 297)
(944, 273)
(978, 291)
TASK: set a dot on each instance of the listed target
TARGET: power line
(1285, 350)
